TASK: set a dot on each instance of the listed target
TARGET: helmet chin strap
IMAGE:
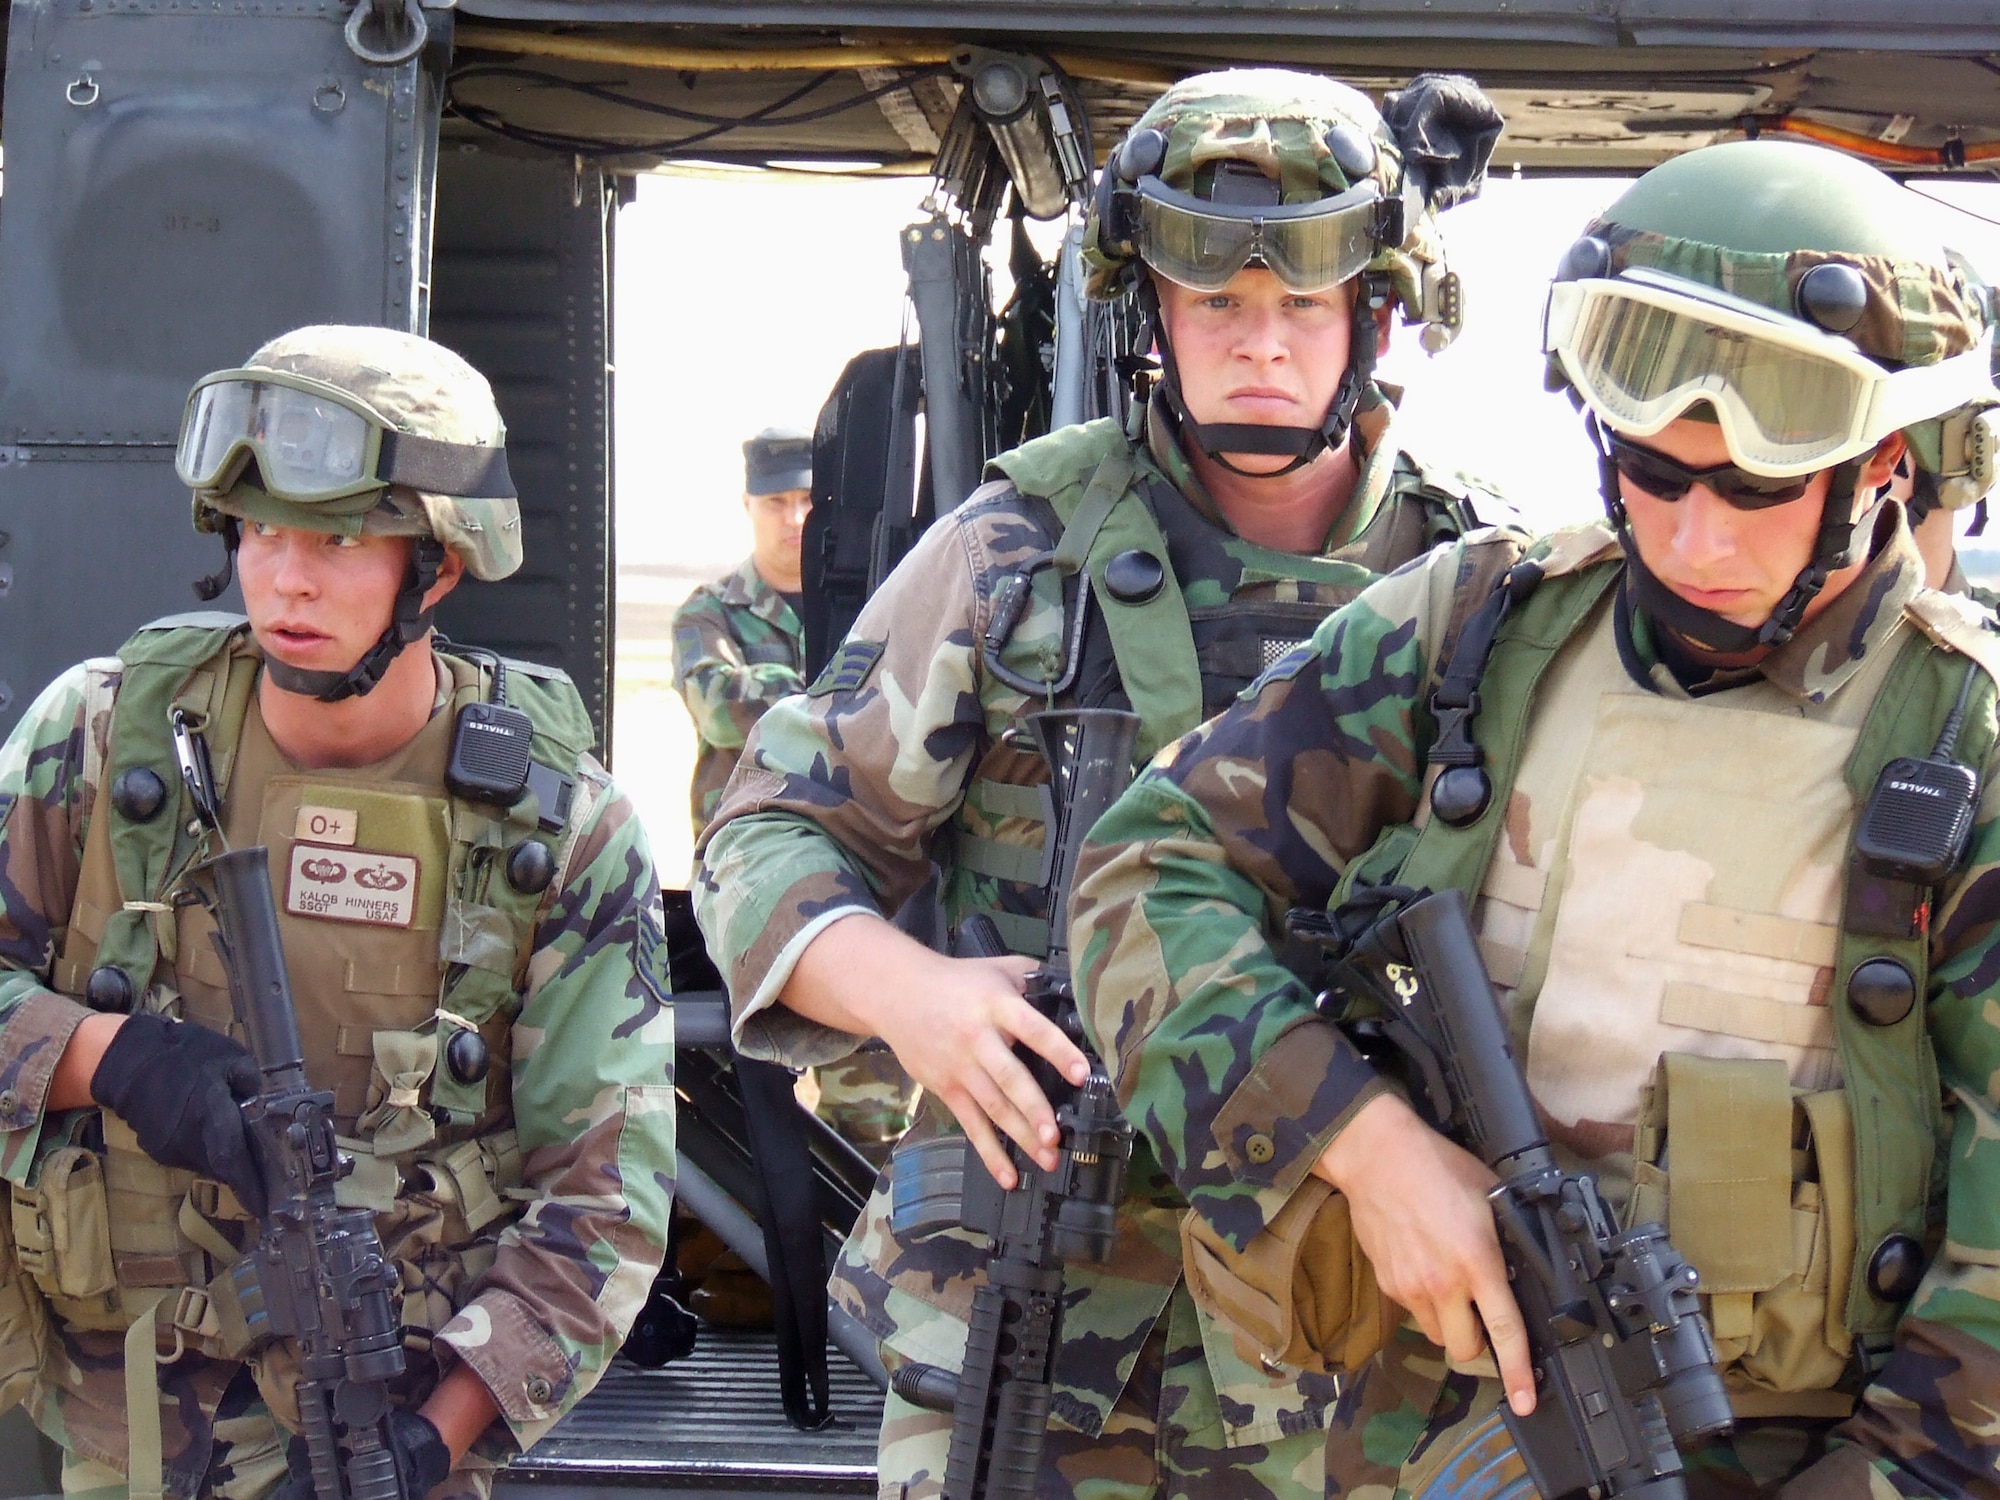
(410, 622)
(1301, 444)
(1704, 629)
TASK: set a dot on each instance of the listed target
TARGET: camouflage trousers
(1408, 1428)
(1146, 1448)
(868, 1099)
(247, 1458)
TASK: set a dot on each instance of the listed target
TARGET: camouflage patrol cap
(412, 386)
(1317, 138)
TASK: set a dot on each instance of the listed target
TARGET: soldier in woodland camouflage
(481, 987)
(739, 648)
(1159, 566)
(1748, 1022)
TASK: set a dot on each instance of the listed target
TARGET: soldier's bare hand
(952, 1023)
(1421, 1216)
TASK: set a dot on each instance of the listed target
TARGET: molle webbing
(203, 665)
(1439, 855)
(1890, 1071)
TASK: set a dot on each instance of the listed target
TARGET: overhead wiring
(767, 116)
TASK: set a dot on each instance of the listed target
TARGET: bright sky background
(739, 297)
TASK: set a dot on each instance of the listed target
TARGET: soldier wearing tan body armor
(474, 979)
(1718, 778)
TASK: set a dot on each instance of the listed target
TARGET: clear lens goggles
(1307, 246)
(311, 443)
(1643, 347)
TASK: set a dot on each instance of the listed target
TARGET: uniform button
(1260, 1149)
(9, 1102)
(539, 1390)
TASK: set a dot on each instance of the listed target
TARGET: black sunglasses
(1665, 479)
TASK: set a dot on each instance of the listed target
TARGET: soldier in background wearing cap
(739, 647)
(484, 1006)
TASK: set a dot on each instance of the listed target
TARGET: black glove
(1447, 129)
(180, 1087)
(422, 1460)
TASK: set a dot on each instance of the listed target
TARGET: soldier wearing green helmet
(1718, 780)
(474, 962)
(1271, 222)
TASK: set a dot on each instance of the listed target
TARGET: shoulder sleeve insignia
(848, 669)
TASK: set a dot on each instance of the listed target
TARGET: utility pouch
(62, 1237)
(1301, 1295)
(24, 1323)
(1758, 1194)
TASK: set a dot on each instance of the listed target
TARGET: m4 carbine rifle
(1624, 1364)
(1000, 1400)
(317, 1275)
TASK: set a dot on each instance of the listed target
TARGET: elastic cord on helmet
(1704, 628)
(409, 623)
(1301, 444)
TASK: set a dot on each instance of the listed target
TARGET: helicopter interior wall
(521, 286)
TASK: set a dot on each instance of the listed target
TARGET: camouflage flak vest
(1141, 632)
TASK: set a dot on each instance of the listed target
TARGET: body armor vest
(401, 934)
(1168, 615)
(1675, 919)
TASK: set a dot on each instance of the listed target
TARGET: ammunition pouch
(24, 1321)
(1759, 1198)
(1301, 1295)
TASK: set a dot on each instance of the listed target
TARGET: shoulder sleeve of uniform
(1960, 623)
(593, 1103)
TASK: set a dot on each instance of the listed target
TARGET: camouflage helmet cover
(1277, 120)
(1753, 217)
(412, 386)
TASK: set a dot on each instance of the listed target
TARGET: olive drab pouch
(62, 1237)
(24, 1322)
(1301, 1294)
(1758, 1194)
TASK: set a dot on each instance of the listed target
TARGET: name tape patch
(352, 885)
(327, 825)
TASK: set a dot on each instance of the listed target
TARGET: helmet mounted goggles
(1643, 347)
(315, 444)
(1309, 247)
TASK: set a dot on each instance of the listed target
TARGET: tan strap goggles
(314, 443)
(1309, 247)
(1643, 347)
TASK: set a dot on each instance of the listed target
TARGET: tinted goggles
(315, 444)
(1642, 348)
(1309, 247)
(1668, 479)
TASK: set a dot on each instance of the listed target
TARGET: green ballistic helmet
(1844, 263)
(356, 430)
(1277, 143)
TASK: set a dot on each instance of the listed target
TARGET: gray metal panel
(520, 287)
(707, 1425)
(1892, 24)
(180, 187)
